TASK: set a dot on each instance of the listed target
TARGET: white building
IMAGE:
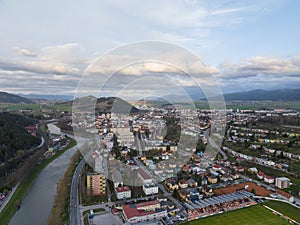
(123, 192)
(282, 182)
(150, 189)
(269, 179)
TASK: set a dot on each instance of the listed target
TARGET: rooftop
(122, 189)
(133, 211)
(143, 174)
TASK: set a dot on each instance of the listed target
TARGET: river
(37, 204)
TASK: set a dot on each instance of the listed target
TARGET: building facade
(123, 192)
(282, 182)
(150, 189)
(96, 184)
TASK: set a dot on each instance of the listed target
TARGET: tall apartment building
(96, 184)
(282, 182)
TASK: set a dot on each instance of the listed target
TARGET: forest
(15, 141)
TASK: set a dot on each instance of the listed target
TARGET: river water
(37, 204)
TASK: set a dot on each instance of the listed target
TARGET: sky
(46, 47)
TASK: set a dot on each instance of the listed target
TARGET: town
(138, 171)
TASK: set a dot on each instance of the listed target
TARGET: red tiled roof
(240, 168)
(217, 166)
(283, 193)
(260, 173)
(133, 211)
(122, 189)
(183, 181)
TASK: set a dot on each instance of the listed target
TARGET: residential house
(192, 183)
(123, 192)
(183, 183)
(269, 179)
(212, 179)
(171, 184)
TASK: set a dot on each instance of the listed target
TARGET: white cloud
(26, 52)
(260, 72)
(70, 53)
(261, 65)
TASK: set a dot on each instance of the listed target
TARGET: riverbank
(61, 207)
(25, 185)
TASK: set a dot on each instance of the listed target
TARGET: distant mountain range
(11, 98)
(48, 97)
(265, 95)
(195, 93)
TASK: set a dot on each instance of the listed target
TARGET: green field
(285, 208)
(35, 107)
(257, 215)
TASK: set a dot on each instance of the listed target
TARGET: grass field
(257, 215)
(285, 208)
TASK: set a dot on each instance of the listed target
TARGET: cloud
(261, 65)
(38, 67)
(168, 59)
(70, 53)
(26, 52)
(185, 22)
(260, 72)
(58, 60)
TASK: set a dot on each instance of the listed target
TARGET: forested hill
(11, 98)
(14, 139)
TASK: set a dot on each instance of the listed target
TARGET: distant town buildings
(282, 182)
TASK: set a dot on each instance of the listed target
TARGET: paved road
(212, 142)
(139, 145)
(107, 205)
(75, 216)
(10, 194)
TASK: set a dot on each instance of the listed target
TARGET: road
(75, 215)
(7, 199)
(228, 134)
(139, 145)
(107, 205)
(213, 144)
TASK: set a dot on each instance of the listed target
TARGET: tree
(176, 194)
